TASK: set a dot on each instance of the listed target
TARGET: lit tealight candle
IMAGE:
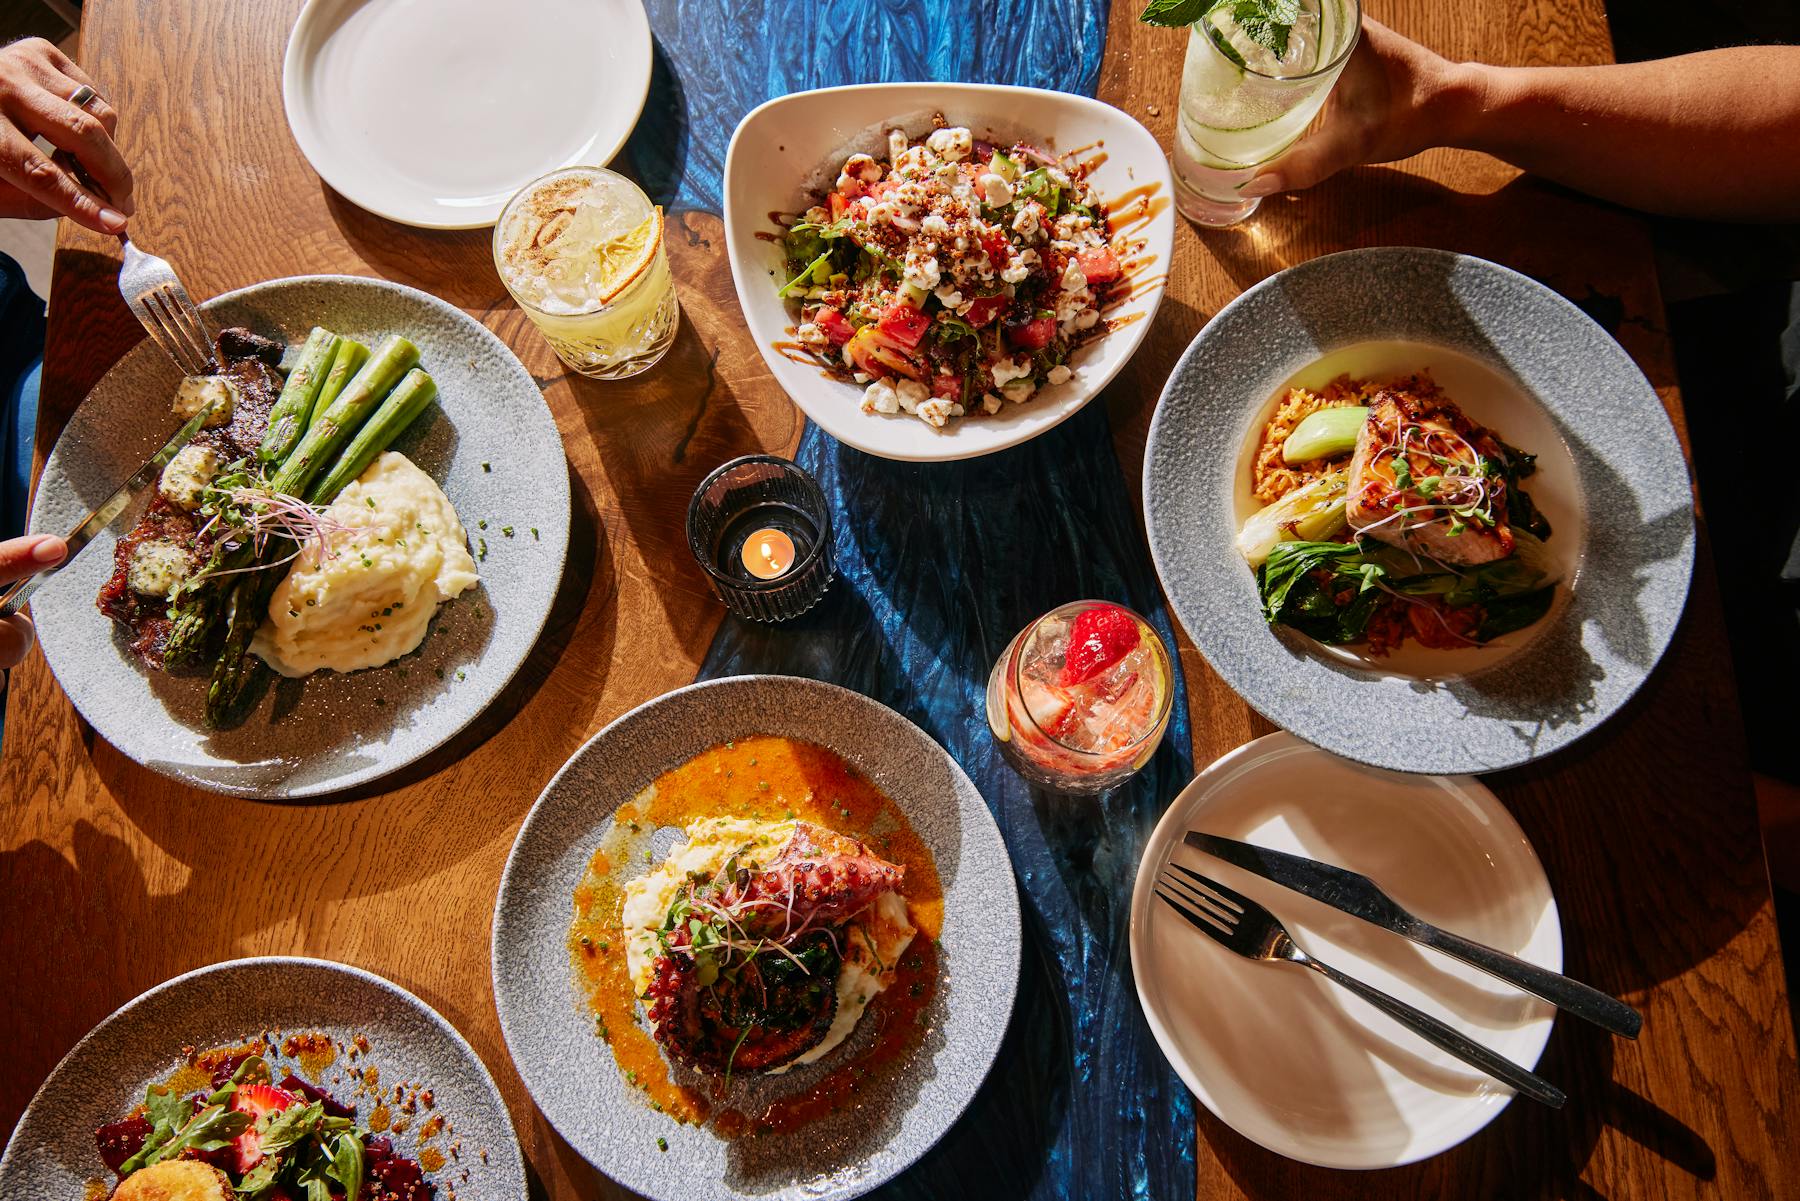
(767, 553)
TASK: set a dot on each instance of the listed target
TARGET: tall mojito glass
(1248, 91)
(581, 251)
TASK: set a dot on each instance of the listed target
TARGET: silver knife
(14, 598)
(1359, 896)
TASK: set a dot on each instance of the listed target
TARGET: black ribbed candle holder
(743, 497)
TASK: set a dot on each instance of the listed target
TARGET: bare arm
(1713, 135)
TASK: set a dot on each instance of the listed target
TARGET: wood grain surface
(115, 878)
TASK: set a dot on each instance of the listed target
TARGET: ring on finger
(83, 96)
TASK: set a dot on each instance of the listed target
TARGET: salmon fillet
(1427, 479)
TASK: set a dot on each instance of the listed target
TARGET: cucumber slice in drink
(1215, 29)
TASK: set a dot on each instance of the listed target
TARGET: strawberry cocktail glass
(1080, 699)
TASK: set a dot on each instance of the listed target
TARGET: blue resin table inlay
(939, 566)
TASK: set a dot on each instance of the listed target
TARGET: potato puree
(710, 843)
(370, 601)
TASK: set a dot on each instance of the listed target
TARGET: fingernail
(1262, 185)
(48, 550)
(113, 219)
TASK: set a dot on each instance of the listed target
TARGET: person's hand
(20, 557)
(36, 81)
(1392, 101)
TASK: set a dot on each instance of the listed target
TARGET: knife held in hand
(1359, 896)
(106, 512)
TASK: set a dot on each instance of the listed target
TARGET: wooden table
(115, 878)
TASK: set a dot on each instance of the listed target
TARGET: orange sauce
(315, 1052)
(760, 779)
(195, 1076)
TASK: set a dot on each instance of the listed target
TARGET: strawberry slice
(1099, 637)
(256, 1100)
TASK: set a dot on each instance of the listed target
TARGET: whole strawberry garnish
(1099, 637)
(256, 1100)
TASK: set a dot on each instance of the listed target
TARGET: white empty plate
(434, 112)
(1285, 1057)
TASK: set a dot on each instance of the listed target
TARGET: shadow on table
(1528, 1153)
(455, 265)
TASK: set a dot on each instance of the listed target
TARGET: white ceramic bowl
(782, 152)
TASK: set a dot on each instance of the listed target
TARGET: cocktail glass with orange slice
(1080, 699)
(581, 251)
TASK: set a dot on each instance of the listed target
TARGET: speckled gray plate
(1523, 360)
(52, 1155)
(572, 1074)
(325, 733)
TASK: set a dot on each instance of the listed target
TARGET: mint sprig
(1265, 22)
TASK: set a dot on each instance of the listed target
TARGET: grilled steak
(166, 544)
(1427, 479)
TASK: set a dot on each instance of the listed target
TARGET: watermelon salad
(954, 278)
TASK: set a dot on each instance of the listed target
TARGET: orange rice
(1271, 477)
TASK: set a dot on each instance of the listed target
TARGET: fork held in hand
(156, 297)
(1242, 926)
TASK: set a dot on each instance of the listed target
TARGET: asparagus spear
(350, 357)
(191, 619)
(236, 667)
(360, 397)
(402, 406)
(294, 407)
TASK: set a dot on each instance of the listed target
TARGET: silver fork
(1242, 926)
(155, 295)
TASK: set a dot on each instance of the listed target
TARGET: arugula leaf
(346, 1165)
(807, 241)
(167, 1111)
(815, 272)
(212, 1128)
(223, 1094)
(949, 327)
(283, 1128)
(258, 1180)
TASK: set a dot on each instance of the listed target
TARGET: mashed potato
(370, 600)
(875, 940)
